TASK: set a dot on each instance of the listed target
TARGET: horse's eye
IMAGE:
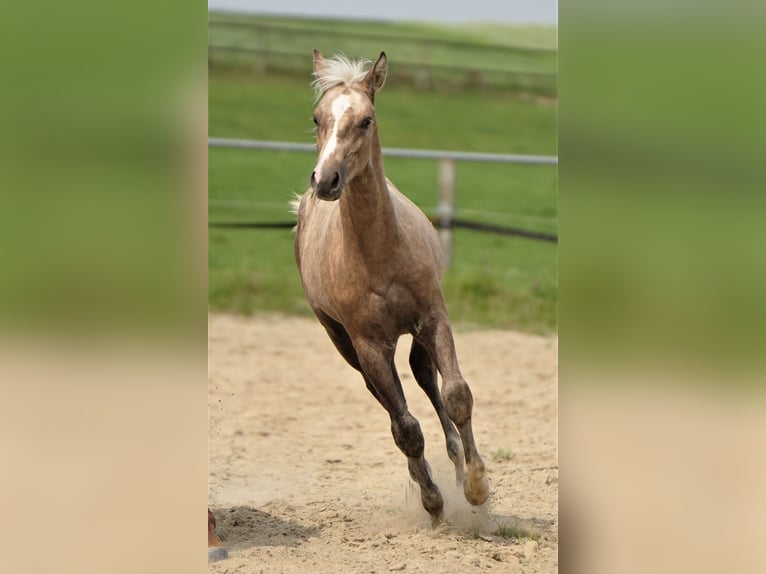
(316, 120)
(365, 123)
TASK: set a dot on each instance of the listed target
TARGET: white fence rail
(392, 152)
(446, 161)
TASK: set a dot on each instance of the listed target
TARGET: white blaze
(339, 107)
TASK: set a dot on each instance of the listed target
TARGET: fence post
(423, 71)
(446, 207)
(261, 59)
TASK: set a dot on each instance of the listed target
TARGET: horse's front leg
(377, 361)
(458, 402)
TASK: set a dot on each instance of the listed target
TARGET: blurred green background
(488, 88)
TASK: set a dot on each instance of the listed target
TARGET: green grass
(518, 530)
(502, 454)
(509, 56)
(495, 280)
(278, 107)
(506, 35)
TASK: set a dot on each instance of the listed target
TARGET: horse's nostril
(335, 180)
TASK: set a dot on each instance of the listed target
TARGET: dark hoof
(436, 519)
(216, 553)
(433, 503)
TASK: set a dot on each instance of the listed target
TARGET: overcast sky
(509, 11)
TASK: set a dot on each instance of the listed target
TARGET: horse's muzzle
(329, 188)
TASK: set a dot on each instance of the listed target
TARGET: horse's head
(345, 121)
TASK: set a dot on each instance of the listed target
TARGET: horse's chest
(389, 304)
(380, 291)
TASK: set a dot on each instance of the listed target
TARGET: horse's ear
(376, 77)
(319, 61)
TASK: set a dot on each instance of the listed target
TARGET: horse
(370, 264)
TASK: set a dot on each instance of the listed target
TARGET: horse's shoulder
(399, 198)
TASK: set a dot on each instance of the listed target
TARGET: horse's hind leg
(425, 374)
(458, 402)
(377, 361)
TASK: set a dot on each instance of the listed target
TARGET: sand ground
(304, 475)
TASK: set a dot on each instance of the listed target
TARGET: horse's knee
(407, 435)
(458, 401)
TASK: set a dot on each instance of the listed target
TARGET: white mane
(336, 71)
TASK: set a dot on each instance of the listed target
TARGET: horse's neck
(370, 229)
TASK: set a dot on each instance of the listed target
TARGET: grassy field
(496, 281)
(536, 37)
(480, 56)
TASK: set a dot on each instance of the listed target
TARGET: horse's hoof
(216, 553)
(476, 492)
(436, 519)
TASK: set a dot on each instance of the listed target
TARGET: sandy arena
(304, 476)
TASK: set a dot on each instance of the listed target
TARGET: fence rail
(391, 151)
(445, 220)
(301, 56)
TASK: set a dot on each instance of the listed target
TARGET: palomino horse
(370, 262)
